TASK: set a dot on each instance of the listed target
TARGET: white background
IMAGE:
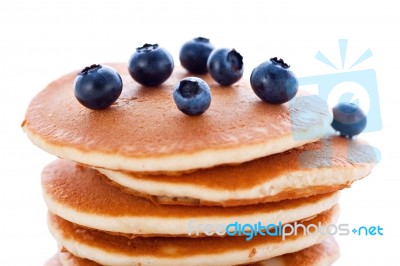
(41, 40)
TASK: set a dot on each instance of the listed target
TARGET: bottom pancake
(321, 254)
(109, 249)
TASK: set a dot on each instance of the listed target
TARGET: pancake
(322, 254)
(143, 131)
(81, 195)
(328, 165)
(109, 249)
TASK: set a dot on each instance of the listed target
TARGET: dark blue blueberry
(151, 65)
(97, 87)
(348, 119)
(225, 66)
(192, 96)
(194, 54)
(273, 82)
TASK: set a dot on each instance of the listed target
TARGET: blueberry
(225, 66)
(348, 119)
(194, 54)
(151, 65)
(273, 82)
(97, 87)
(192, 96)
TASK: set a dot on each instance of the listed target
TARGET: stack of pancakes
(140, 183)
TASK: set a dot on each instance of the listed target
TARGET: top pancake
(144, 131)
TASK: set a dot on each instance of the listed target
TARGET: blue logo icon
(359, 82)
(346, 85)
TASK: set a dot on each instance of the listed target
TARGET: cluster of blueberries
(98, 86)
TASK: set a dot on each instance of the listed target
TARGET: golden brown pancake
(81, 195)
(110, 249)
(324, 166)
(322, 254)
(144, 131)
